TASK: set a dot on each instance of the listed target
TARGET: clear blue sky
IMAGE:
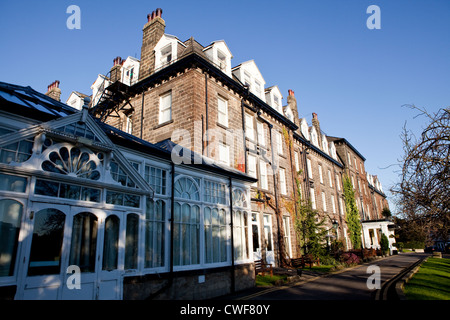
(354, 78)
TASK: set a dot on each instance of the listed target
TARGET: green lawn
(431, 282)
(268, 281)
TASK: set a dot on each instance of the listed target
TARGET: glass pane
(12, 183)
(48, 232)
(84, 241)
(89, 194)
(46, 188)
(131, 241)
(111, 243)
(154, 234)
(69, 191)
(10, 221)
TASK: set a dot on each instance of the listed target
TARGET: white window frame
(166, 52)
(287, 234)
(129, 123)
(283, 188)
(333, 204)
(341, 206)
(279, 141)
(252, 167)
(222, 111)
(320, 173)
(330, 178)
(309, 166)
(165, 107)
(224, 154)
(297, 162)
(324, 201)
(263, 175)
(261, 133)
(249, 130)
(313, 198)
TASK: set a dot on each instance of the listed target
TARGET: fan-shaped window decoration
(72, 161)
(187, 189)
(239, 198)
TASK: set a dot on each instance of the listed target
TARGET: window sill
(220, 125)
(162, 124)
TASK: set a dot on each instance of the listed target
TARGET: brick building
(188, 173)
(191, 94)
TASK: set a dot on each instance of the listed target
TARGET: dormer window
(258, 88)
(314, 137)
(250, 76)
(222, 60)
(325, 144)
(276, 103)
(219, 54)
(247, 79)
(333, 150)
(304, 129)
(166, 55)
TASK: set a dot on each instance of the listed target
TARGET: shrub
(384, 243)
(350, 258)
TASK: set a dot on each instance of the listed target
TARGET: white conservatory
(90, 212)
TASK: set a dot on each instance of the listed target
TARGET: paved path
(349, 284)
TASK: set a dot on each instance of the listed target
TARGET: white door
(268, 238)
(256, 237)
(40, 270)
(61, 236)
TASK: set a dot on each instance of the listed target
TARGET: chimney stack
(116, 70)
(152, 32)
(53, 90)
(316, 124)
(292, 103)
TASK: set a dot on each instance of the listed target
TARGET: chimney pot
(314, 115)
(159, 12)
(153, 15)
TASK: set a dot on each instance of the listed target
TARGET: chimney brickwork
(53, 91)
(292, 102)
(152, 32)
(116, 70)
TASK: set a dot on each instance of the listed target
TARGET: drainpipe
(206, 121)
(275, 189)
(233, 276)
(142, 114)
(243, 136)
(172, 222)
(308, 186)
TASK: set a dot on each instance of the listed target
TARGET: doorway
(62, 238)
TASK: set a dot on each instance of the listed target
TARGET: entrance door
(256, 237)
(267, 219)
(43, 260)
(86, 239)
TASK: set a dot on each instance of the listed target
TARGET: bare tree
(423, 192)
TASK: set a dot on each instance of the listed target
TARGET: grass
(268, 281)
(431, 282)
